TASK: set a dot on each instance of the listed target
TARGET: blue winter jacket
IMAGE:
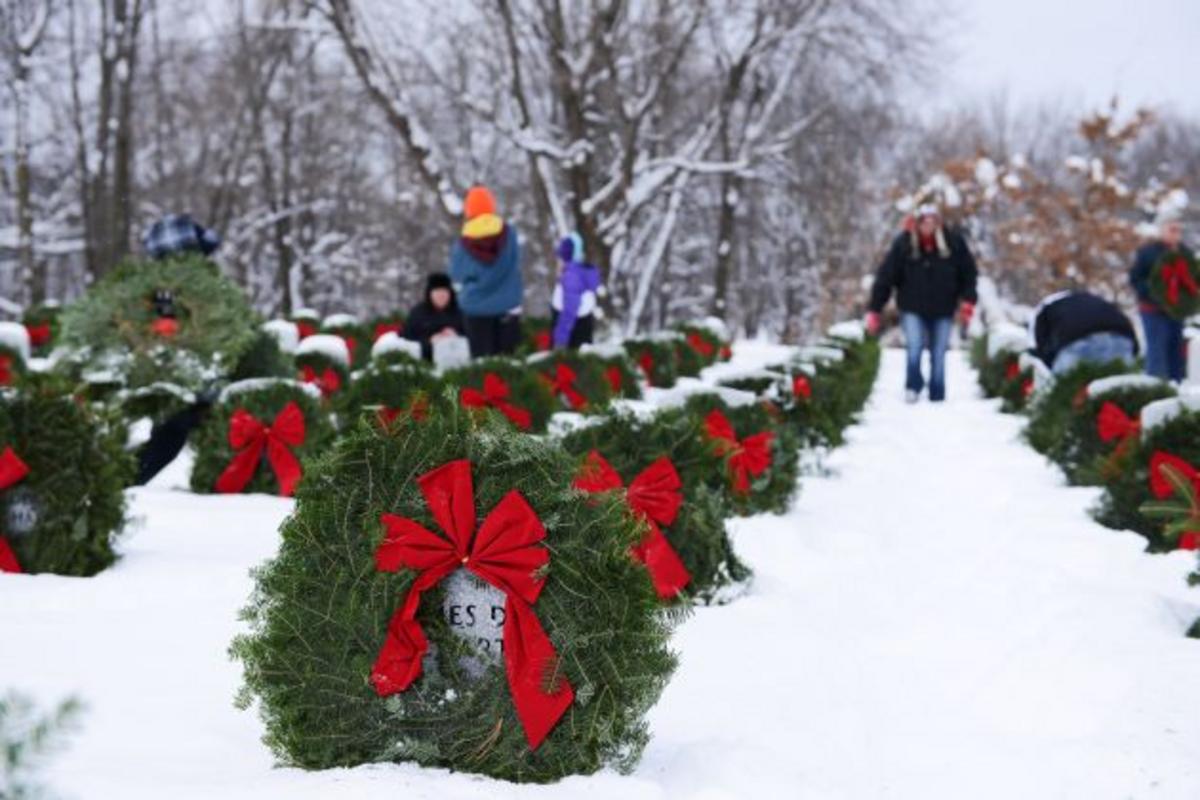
(488, 290)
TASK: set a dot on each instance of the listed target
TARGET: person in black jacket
(435, 317)
(1072, 327)
(932, 272)
(1164, 334)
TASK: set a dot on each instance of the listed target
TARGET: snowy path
(939, 619)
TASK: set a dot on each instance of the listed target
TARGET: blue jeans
(1099, 348)
(921, 334)
(1164, 346)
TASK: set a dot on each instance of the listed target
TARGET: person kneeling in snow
(436, 317)
(1073, 327)
(573, 304)
(933, 273)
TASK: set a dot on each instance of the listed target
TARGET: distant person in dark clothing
(1073, 327)
(435, 317)
(172, 235)
(176, 234)
(485, 265)
(573, 303)
(932, 272)
(1164, 334)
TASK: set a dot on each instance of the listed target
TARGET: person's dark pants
(581, 334)
(493, 336)
(1164, 346)
(166, 440)
(921, 334)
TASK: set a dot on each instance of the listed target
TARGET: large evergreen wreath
(1103, 433)
(62, 475)
(337, 655)
(177, 321)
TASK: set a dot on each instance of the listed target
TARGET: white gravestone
(474, 610)
(450, 352)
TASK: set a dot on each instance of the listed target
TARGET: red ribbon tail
(667, 571)
(241, 468)
(8, 559)
(540, 690)
(518, 416)
(286, 467)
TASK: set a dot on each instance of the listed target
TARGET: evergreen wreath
(1175, 283)
(508, 387)
(62, 502)
(368, 645)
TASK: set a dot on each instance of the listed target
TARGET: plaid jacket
(179, 233)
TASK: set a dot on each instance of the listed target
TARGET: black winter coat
(1065, 318)
(425, 320)
(926, 283)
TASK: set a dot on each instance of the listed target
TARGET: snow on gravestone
(450, 352)
(474, 611)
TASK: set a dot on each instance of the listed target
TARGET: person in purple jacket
(574, 300)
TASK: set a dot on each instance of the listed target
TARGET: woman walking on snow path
(485, 266)
(933, 274)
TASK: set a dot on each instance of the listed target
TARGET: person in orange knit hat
(485, 266)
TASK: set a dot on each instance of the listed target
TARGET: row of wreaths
(582, 497)
(1135, 436)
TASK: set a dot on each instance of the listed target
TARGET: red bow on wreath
(655, 498)
(387, 327)
(646, 362)
(802, 388)
(700, 345)
(1162, 488)
(12, 471)
(6, 370)
(541, 341)
(250, 438)
(495, 394)
(505, 552)
(1027, 388)
(1113, 423)
(166, 327)
(329, 381)
(1013, 371)
(748, 458)
(614, 377)
(305, 329)
(38, 334)
(418, 411)
(1177, 276)
(563, 383)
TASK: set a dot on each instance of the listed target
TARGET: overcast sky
(1077, 52)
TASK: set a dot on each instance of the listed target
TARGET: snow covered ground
(938, 618)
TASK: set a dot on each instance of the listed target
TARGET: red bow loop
(38, 334)
(597, 475)
(655, 492)
(6, 370)
(507, 553)
(802, 387)
(613, 375)
(646, 363)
